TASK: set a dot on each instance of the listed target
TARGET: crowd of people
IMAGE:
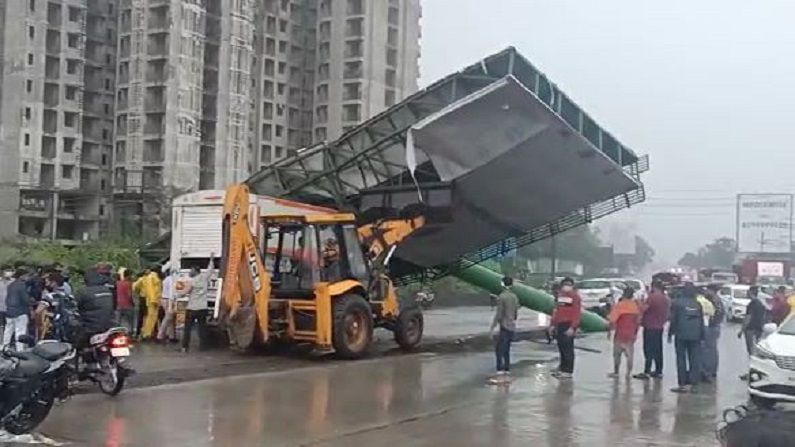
(146, 304)
(693, 317)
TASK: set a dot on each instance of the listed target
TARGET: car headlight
(764, 353)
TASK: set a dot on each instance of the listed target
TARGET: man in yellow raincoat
(150, 288)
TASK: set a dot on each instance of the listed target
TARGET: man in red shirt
(780, 310)
(564, 323)
(625, 321)
(125, 314)
(656, 310)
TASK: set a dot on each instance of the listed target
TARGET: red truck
(764, 271)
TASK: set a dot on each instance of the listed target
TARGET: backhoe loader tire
(352, 333)
(408, 328)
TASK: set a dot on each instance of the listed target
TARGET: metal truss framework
(373, 154)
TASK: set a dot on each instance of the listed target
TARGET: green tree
(719, 253)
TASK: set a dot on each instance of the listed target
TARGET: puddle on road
(28, 439)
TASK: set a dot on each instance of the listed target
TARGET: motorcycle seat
(29, 365)
(52, 350)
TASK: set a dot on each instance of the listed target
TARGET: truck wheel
(352, 332)
(408, 328)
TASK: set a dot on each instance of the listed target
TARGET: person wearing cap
(564, 324)
(505, 319)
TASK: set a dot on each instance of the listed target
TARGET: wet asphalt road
(413, 400)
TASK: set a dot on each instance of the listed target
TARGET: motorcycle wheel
(112, 380)
(30, 415)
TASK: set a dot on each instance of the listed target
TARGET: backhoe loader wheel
(408, 329)
(353, 326)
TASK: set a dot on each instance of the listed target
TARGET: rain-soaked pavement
(413, 400)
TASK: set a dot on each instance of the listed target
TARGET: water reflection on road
(415, 400)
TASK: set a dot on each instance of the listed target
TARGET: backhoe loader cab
(316, 279)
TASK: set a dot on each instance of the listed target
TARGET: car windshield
(787, 327)
(634, 284)
(740, 293)
(593, 284)
(725, 291)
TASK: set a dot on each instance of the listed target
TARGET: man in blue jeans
(687, 328)
(504, 318)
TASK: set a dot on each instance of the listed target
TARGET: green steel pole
(529, 297)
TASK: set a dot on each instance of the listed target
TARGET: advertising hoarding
(764, 223)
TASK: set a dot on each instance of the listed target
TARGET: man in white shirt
(168, 329)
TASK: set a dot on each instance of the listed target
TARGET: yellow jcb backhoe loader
(317, 278)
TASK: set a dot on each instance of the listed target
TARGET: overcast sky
(706, 88)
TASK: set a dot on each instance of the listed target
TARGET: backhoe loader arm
(379, 237)
(246, 284)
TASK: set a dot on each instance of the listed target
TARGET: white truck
(196, 230)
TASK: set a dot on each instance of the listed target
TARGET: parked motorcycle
(31, 381)
(103, 359)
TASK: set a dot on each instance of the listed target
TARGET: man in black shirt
(755, 316)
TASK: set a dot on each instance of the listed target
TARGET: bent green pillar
(529, 297)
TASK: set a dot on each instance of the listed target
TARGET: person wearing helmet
(95, 303)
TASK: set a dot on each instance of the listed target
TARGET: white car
(735, 298)
(771, 377)
(598, 292)
(639, 287)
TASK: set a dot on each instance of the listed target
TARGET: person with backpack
(688, 331)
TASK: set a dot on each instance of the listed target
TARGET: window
(280, 88)
(71, 92)
(107, 59)
(266, 154)
(106, 108)
(394, 16)
(391, 76)
(74, 14)
(279, 131)
(280, 109)
(104, 159)
(279, 152)
(32, 7)
(32, 32)
(282, 67)
(27, 113)
(102, 210)
(73, 40)
(267, 110)
(282, 46)
(67, 171)
(391, 57)
(355, 7)
(25, 167)
(350, 112)
(392, 36)
(27, 139)
(72, 66)
(30, 58)
(283, 26)
(107, 84)
(70, 119)
(389, 98)
(269, 66)
(105, 134)
(320, 134)
(103, 184)
(28, 86)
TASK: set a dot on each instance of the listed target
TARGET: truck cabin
(302, 250)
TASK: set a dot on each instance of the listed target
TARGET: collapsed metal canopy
(523, 160)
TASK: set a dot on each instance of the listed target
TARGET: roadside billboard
(764, 223)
